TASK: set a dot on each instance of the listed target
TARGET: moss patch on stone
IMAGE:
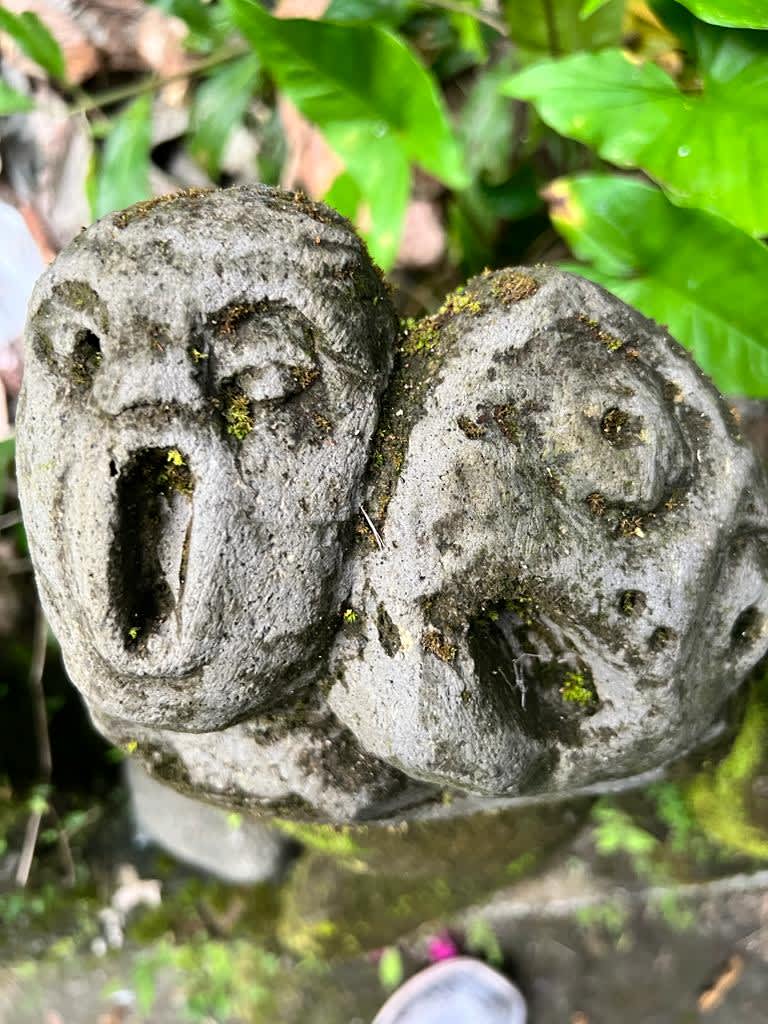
(141, 210)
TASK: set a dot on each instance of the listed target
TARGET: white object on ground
(455, 991)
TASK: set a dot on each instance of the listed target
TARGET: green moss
(504, 416)
(720, 797)
(349, 616)
(470, 428)
(436, 644)
(141, 210)
(332, 840)
(304, 376)
(576, 689)
(511, 286)
(81, 297)
(632, 602)
(238, 414)
(596, 504)
(611, 342)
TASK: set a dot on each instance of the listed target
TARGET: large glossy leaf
(220, 103)
(358, 73)
(12, 102)
(556, 27)
(690, 270)
(34, 39)
(379, 168)
(739, 13)
(123, 177)
(708, 148)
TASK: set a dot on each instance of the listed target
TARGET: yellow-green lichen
(576, 689)
(238, 415)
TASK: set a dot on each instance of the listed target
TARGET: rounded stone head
(572, 568)
(203, 380)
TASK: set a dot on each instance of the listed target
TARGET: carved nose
(150, 549)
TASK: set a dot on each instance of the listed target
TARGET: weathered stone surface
(574, 572)
(203, 384)
(559, 577)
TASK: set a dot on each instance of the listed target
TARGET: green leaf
(219, 105)
(738, 13)
(12, 102)
(379, 168)
(388, 12)
(123, 177)
(35, 40)
(344, 196)
(487, 126)
(590, 7)
(336, 74)
(7, 454)
(555, 27)
(391, 968)
(704, 147)
(687, 269)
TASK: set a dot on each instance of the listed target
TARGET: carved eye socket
(86, 358)
(748, 628)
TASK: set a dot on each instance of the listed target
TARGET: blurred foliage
(494, 105)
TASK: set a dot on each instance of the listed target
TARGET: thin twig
(10, 519)
(479, 15)
(44, 762)
(28, 848)
(374, 531)
(155, 82)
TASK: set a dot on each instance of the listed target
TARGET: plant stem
(549, 17)
(473, 12)
(155, 82)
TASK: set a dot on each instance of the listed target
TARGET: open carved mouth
(148, 561)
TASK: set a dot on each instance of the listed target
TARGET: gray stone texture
(566, 576)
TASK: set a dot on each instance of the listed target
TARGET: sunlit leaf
(739, 13)
(337, 74)
(706, 147)
(687, 269)
(556, 27)
(344, 195)
(34, 39)
(590, 7)
(379, 167)
(391, 968)
(123, 177)
(12, 102)
(220, 104)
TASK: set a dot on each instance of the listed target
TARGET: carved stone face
(202, 387)
(569, 573)
(575, 564)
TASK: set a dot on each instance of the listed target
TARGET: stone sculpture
(302, 561)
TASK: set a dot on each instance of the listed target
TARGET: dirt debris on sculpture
(529, 556)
